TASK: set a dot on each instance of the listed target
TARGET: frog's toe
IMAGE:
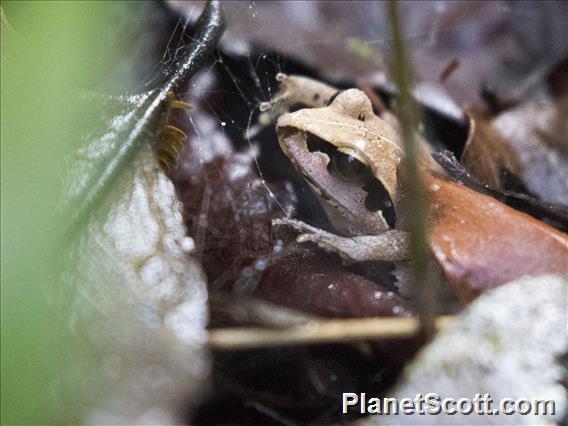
(390, 246)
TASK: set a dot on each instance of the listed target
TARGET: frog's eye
(348, 165)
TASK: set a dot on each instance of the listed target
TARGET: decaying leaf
(550, 213)
(508, 344)
(142, 301)
(538, 131)
(142, 298)
(228, 212)
(316, 283)
(481, 243)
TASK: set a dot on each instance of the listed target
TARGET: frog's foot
(389, 246)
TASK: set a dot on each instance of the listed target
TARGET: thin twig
(317, 332)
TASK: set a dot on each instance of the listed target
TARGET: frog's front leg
(390, 246)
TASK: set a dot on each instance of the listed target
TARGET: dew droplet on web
(378, 295)
(440, 7)
(278, 246)
(264, 106)
(248, 272)
(260, 264)
(187, 244)
(223, 123)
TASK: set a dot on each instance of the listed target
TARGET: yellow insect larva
(171, 139)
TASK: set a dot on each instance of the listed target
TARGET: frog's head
(349, 157)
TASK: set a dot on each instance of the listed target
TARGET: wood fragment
(449, 70)
(318, 332)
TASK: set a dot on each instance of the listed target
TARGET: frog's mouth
(355, 207)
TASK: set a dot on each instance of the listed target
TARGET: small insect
(171, 139)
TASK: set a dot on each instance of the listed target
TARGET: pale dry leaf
(142, 301)
(507, 344)
(538, 132)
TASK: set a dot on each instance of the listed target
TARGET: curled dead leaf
(141, 300)
(538, 132)
(489, 156)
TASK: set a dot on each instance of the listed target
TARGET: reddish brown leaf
(481, 243)
(316, 283)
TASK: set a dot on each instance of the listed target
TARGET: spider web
(248, 60)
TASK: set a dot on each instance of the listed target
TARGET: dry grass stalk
(322, 331)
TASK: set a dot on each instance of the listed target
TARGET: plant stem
(415, 203)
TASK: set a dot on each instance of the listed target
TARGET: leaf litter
(231, 185)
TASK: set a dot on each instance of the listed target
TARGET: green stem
(415, 203)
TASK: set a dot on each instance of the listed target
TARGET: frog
(353, 161)
(350, 158)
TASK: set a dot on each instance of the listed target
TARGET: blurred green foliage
(50, 51)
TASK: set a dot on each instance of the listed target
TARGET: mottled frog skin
(350, 158)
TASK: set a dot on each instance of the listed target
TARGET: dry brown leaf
(487, 155)
(538, 132)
